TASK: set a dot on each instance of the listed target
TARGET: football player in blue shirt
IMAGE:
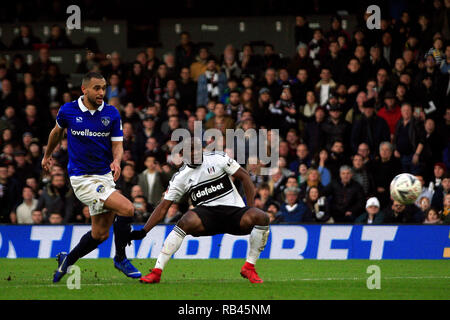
(95, 146)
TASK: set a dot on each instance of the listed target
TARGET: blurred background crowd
(354, 108)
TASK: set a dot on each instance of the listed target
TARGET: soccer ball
(405, 188)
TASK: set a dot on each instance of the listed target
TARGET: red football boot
(152, 277)
(248, 271)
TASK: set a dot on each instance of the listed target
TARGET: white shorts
(93, 190)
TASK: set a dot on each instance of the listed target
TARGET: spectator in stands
(229, 65)
(187, 89)
(440, 192)
(235, 108)
(127, 180)
(293, 210)
(336, 158)
(390, 112)
(57, 197)
(302, 61)
(153, 61)
(274, 213)
(335, 126)
(408, 140)
(23, 213)
(10, 195)
(318, 205)
(325, 87)
(200, 65)
(270, 58)
(372, 215)
(438, 172)
(284, 112)
(23, 168)
(153, 180)
(446, 209)
(363, 176)
(185, 51)
(432, 217)
(400, 213)
(302, 156)
(312, 179)
(54, 83)
(114, 65)
(55, 218)
(8, 97)
(141, 207)
(386, 167)
(303, 33)
(114, 88)
(220, 120)
(263, 198)
(58, 38)
(25, 40)
(37, 217)
(211, 84)
(347, 200)
(370, 128)
(169, 61)
(313, 135)
(39, 68)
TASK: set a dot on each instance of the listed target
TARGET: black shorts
(221, 219)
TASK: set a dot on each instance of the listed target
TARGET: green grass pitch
(220, 280)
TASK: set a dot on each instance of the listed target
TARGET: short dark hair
(88, 76)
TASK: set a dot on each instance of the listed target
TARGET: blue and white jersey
(89, 136)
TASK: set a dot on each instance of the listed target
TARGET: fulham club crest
(211, 170)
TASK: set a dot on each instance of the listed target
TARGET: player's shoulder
(108, 108)
(69, 106)
(180, 174)
(215, 154)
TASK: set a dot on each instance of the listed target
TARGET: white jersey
(208, 184)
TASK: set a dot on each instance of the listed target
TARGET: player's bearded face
(95, 92)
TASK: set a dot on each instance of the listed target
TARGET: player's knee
(189, 223)
(100, 236)
(254, 217)
(128, 210)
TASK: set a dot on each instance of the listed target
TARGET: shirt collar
(83, 108)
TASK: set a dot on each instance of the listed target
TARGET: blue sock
(122, 228)
(86, 245)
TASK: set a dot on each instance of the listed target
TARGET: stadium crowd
(353, 109)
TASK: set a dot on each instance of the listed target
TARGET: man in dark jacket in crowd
(385, 168)
(400, 213)
(408, 140)
(335, 126)
(370, 128)
(9, 194)
(58, 197)
(347, 197)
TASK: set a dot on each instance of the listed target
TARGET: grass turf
(220, 280)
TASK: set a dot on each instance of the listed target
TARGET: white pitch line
(219, 281)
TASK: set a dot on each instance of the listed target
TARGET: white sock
(170, 246)
(258, 240)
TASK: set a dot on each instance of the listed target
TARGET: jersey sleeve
(229, 165)
(61, 117)
(116, 129)
(176, 189)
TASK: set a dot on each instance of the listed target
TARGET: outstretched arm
(157, 215)
(248, 185)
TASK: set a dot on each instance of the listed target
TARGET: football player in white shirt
(218, 208)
